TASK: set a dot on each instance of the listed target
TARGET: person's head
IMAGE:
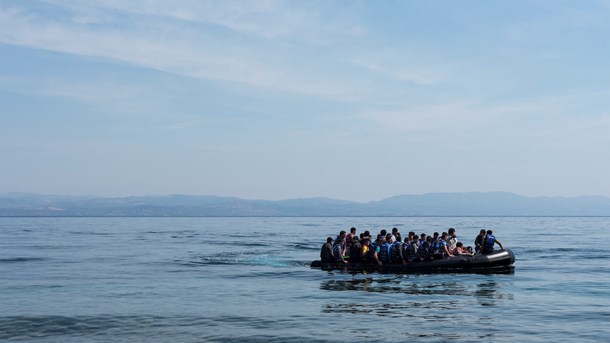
(361, 236)
(353, 230)
(339, 240)
(367, 233)
(429, 239)
(422, 236)
(388, 237)
(383, 232)
(366, 241)
(342, 233)
(482, 232)
(355, 239)
(406, 239)
(411, 233)
(489, 232)
(469, 249)
(444, 236)
(398, 238)
(451, 232)
(394, 230)
(329, 240)
(459, 244)
(435, 235)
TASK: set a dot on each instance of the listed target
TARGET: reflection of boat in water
(499, 260)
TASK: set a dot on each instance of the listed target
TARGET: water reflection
(487, 294)
(417, 298)
(396, 285)
(403, 309)
(510, 270)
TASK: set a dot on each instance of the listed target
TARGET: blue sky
(356, 100)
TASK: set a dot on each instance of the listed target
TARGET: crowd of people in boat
(390, 248)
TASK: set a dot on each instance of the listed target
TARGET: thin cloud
(390, 69)
(175, 48)
(555, 115)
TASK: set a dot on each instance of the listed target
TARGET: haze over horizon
(276, 100)
(38, 195)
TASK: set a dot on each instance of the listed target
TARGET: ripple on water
(21, 259)
(51, 327)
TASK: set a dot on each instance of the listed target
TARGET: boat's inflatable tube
(499, 259)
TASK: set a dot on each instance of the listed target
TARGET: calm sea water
(248, 279)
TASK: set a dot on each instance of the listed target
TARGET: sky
(354, 100)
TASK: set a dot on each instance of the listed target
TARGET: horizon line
(6, 194)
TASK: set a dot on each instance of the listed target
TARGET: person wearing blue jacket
(488, 243)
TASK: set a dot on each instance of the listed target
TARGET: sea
(242, 279)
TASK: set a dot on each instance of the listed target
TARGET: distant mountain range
(432, 204)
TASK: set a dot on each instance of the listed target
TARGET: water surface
(248, 279)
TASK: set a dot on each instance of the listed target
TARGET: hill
(431, 204)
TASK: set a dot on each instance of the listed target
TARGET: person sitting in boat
(422, 239)
(434, 240)
(469, 250)
(342, 236)
(398, 237)
(440, 249)
(411, 248)
(355, 251)
(412, 236)
(367, 234)
(326, 253)
(396, 251)
(435, 237)
(382, 233)
(338, 251)
(385, 254)
(365, 250)
(348, 239)
(375, 249)
(478, 241)
(430, 240)
(460, 250)
(451, 239)
(423, 250)
(395, 235)
(489, 242)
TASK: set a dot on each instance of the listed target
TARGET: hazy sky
(356, 100)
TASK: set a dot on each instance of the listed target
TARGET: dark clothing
(354, 252)
(396, 252)
(478, 243)
(438, 249)
(423, 252)
(348, 241)
(326, 254)
(338, 252)
(385, 254)
(411, 252)
(489, 242)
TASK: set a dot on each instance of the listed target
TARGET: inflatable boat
(500, 259)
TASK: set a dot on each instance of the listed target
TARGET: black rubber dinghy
(500, 259)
